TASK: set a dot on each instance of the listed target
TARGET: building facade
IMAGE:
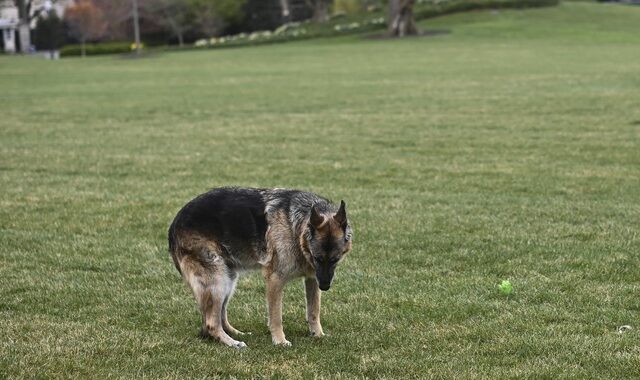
(10, 26)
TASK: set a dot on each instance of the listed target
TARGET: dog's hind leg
(225, 321)
(210, 286)
(213, 300)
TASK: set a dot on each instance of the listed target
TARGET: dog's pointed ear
(316, 219)
(341, 215)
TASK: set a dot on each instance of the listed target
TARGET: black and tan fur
(286, 233)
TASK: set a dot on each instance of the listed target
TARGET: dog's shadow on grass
(259, 337)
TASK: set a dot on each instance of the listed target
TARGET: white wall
(8, 9)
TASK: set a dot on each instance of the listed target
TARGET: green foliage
(174, 15)
(507, 149)
(347, 6)
(230, 10)
(96, 49)
(49, 32)
(211, 16)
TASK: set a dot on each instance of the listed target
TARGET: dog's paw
(239, 345)
(283, 343)
(315, 330)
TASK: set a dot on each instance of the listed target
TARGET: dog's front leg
(313, 306)
(275, 287)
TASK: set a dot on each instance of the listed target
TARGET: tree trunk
(286, 13)
(401, 22)
(24, 29)
(180, 39)
(320, 10)
(83, 48)
(24, 34)
(136, 27)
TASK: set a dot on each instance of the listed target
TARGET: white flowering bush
(288, 31)
(262, 35)
(286, 28)
(346, 27)
(201, 43)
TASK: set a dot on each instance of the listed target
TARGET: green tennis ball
(506, 287)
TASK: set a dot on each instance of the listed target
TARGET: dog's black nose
(324, 287)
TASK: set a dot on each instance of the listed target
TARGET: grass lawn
(508, 149)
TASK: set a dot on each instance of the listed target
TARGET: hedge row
(96, 49)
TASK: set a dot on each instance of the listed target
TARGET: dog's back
(232, 219)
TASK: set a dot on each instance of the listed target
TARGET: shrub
(347, 6)
(49, 32)
(96, 49)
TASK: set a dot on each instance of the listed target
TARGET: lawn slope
(507, 149)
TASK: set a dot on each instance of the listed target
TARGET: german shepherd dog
(286, 233)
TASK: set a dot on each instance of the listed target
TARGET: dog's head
(329, 240)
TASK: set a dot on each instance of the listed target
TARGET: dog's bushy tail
(173, 245)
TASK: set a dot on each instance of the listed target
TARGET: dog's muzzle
(324, 276)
